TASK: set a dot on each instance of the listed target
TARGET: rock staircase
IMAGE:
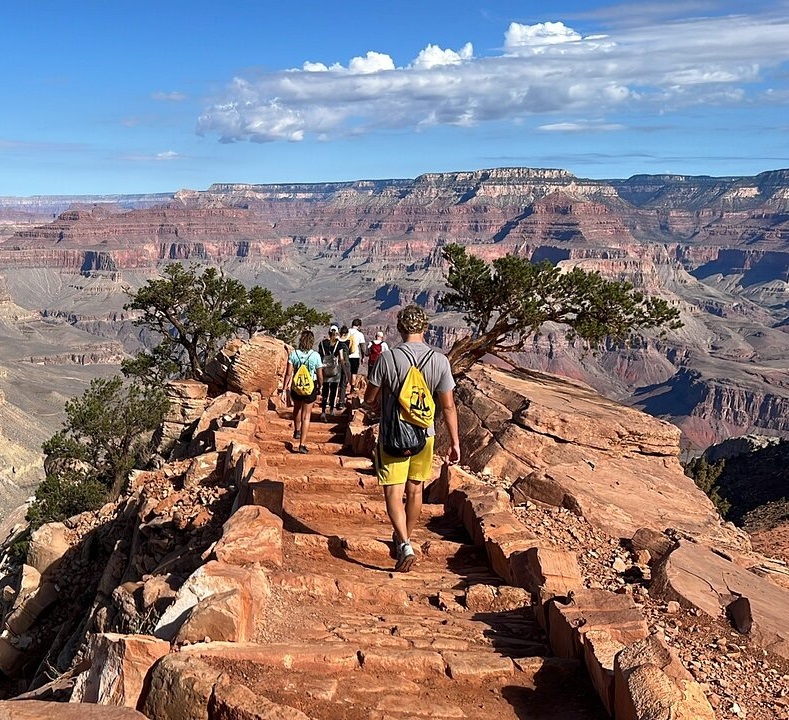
(343, 636)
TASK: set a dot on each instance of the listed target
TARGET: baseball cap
(334, 328)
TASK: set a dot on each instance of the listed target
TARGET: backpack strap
(411, 361)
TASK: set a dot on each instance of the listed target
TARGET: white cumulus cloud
(433, 56)
(526, 39)
(546, 69)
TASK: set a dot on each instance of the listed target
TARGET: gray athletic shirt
(392, 367)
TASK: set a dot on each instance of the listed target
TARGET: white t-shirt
(359, 337)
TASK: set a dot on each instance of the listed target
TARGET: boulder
(651, 682)
(252, 535)
(120, 665)
(257, 366)
(225, 616)
(211, 579)
(696, 577)
(47, 547)
(180, 689)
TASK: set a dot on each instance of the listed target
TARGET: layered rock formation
(717, 247)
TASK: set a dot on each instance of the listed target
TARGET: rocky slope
(241, 580)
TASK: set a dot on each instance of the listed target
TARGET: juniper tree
(194, 313)
(506, 301)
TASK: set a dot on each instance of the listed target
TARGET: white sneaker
(405, 557)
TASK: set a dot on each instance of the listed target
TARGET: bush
(706, 476)
(62, 495)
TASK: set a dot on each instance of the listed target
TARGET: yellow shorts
(395, 471)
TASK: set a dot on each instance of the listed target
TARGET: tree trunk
(466, 351)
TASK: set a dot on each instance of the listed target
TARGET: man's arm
(447, 402)
(371, 397)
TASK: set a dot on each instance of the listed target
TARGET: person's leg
(420, 471)
(306, 415)
(392, 475)
(297, 419)
(333, 387)
(413, 505)
(343, 389)
(354, 372)
(325, 399)
(393, 495)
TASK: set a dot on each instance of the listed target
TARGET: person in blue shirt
(302, 404)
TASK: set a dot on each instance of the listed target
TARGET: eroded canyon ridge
(717, 247)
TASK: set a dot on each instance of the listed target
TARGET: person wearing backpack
(377, 347)
(333, 355)
(345, 367)
(357, 346)
(407, 381)
(303, 377)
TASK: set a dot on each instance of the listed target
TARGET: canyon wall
(718, 248)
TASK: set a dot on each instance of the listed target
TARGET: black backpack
(400, 438)
(331, 365)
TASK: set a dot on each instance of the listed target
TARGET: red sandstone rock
(181, 687)
(231, 701)
(211, 579)
(252, 535)
(119, 668)
(614, 465)
(590, 609)
(697, 577)
(600, 650)
(37, 710)
(226, 616)
(650, 681)
(258, 366)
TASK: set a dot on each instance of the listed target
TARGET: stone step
(339, 679)
(284, 421)
(299, 479)
(376, 545)
(283, 457)
(322, 505)
(269, 446)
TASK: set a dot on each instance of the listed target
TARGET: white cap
(334, 328)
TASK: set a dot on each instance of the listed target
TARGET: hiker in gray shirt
(399, 474)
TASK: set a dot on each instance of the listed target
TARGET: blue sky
(134, 97)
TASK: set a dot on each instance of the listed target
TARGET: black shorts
(304, 398)
(354, 365)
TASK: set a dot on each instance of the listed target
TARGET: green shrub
(706, 476)
(62, 495)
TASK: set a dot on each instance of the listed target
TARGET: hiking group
(329, 372)
(405, 385)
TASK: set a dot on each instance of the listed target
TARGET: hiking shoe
(297, 435)
(303, 450)
(405, 557)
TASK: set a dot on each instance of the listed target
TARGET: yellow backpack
(302, 383)
(353, 343)
(416, 401)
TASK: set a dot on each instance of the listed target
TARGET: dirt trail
(346, 637)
